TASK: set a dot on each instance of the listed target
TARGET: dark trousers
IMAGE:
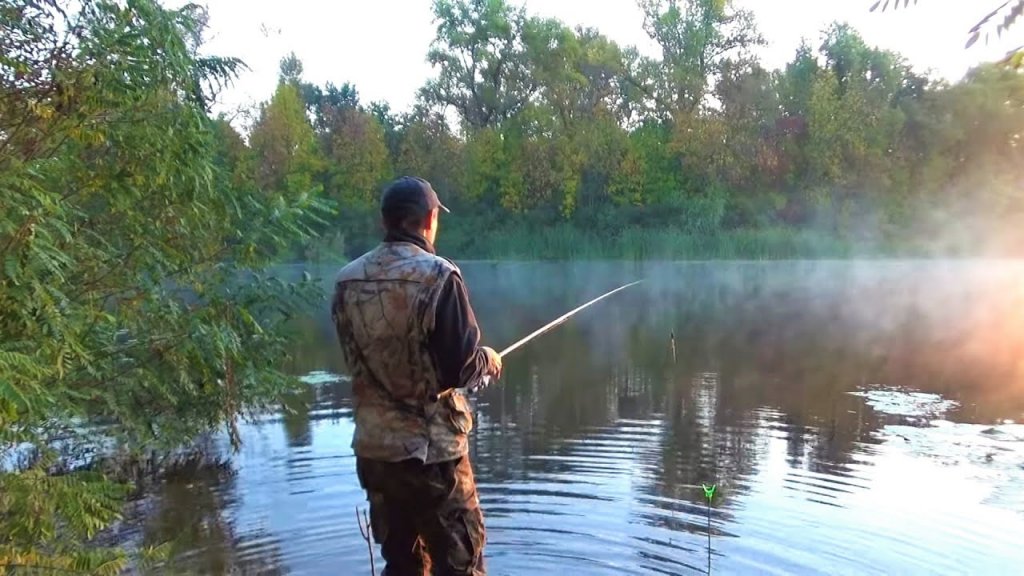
(426, 517)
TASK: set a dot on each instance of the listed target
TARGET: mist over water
(857, 418)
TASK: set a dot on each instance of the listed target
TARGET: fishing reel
(468, 390)
(476, 386)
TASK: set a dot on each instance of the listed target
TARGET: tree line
(530, 126)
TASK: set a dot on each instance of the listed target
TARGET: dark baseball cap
(409, 196)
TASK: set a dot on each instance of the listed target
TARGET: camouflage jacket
(387, 300)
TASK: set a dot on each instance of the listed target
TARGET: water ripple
(592, 462)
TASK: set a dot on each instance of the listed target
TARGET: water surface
(857, 418)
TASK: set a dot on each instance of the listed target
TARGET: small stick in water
(672, 339)
(367, 533)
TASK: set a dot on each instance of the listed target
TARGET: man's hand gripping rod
(486, 380)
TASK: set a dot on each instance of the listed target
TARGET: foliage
(130, 232)
(696, 38)
(563, 127)
(560, 127)
(483, 72)
(283, 143)
(1008, 10)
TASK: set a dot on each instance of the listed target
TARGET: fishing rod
(485, 381)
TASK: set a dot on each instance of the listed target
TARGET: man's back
(408, 332)
(386, 304)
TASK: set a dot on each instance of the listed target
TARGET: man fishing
(408, 333)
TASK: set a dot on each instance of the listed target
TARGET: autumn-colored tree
(284, 145)
(428, 147)
(358, 160)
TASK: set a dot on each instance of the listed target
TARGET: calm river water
(856, 418)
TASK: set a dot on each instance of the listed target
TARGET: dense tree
(321, 102)
(358, 163)
(287, 156)
(357, 155)
(127, 225)
(391, 123)
(529, 124)
(566, 123)
(479, 51)
(428, 147)
(697, 37)
(970, 161)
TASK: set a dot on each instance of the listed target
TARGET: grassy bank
(564, 242)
